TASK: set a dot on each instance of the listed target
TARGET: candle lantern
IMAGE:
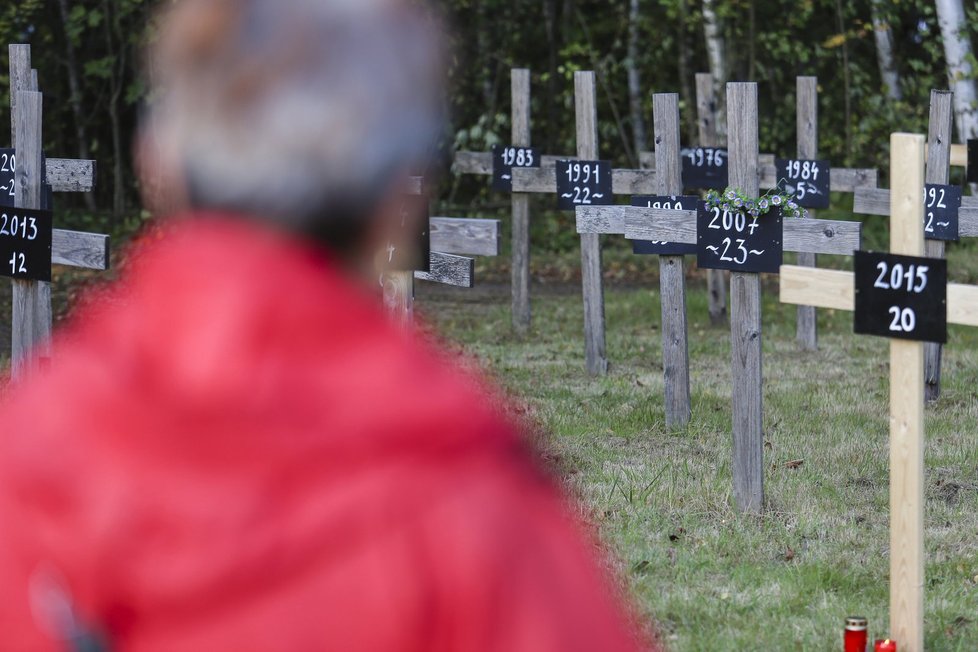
(856, 636)
(885, 646)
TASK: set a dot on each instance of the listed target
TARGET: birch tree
(635, 80)
(957, 51)
(884, 52)
(716, 54)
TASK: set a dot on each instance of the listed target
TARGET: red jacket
(236, 451)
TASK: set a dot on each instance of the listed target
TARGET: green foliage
(770, 41)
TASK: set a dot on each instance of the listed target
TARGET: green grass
(708, 578)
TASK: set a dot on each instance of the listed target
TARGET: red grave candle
(885, 646)
(856, 637)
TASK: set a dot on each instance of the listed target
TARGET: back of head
(305, 112)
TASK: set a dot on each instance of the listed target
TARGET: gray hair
(295, 109)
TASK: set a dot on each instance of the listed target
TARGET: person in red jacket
(235, 449)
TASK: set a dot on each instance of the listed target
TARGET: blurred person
(235, 449)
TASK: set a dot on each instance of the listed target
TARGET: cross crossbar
(639, 223)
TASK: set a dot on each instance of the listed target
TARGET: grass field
(708, 578)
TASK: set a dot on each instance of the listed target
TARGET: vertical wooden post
(745, 312)
(30, 328)
(938, 171)
(31, 323)
(587, 149)
(399, 296)
(907, 410)
(706, 119)
(672, 275)
(807, 115)
(521, 206)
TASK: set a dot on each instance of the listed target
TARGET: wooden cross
(481, 163)
(623, 182)
(877, 202)
(836, 290)
(31, 324)
(679, 226)
(449, 237)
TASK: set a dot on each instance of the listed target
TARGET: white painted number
(914, 277)
(10, 225)
(8, 163)
(736, 221)
(935, 198)
(904, 320)
(706, 157)
(805, 170)
(518, 157)
(22, 259)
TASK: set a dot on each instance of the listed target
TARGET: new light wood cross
(31, 323)
(623, 182)
(877, 202)
(809, 236)
(452, 241)
(836, 290)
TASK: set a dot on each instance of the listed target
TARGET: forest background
(876, 60)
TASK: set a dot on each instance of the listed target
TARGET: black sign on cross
(31, 324)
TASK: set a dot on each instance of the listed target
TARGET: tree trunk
(685, 78)
(71, 62)
(884, 52)
(550, 23)
(117, 49)
(635, 80)
(957, 51)
(716, 53)
(846, 80)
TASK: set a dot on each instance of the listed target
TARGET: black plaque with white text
(902, 297)
(25, 244)
(941, 206)
(736, 241)
(807, 180)
(505, 158)
(583, 183)
(668, 203)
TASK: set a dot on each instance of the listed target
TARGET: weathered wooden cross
(623, 182)
(877, 202)
(31, 324)
(448, 236)
(901, 284)
(481, 163)
(680, 226)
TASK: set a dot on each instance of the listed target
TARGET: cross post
(586, 109)
(707, 121)
(448, 237)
